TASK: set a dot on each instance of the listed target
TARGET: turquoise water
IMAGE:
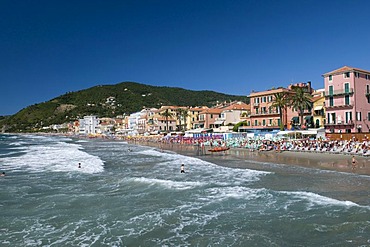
(127, 195)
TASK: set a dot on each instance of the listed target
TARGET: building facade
(347, 100)
(89, 125)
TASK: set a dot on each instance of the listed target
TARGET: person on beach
(182, 169)
(354, 161)
(79, 165)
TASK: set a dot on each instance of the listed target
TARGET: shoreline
(321, 161)
(314, 160)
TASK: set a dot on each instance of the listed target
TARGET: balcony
(338, 92)
(338, 107)
(264, 114)
(256, 104)
(340, 123)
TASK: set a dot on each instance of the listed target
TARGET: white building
(89, 125)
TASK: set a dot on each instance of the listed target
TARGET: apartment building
(263, 116)
(89, 125)
(347, 100)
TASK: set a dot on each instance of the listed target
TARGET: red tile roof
(345, 69)
(211, 111)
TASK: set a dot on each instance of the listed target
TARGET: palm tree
(280, 102)
(185, 114)
(300, 101)
(166, 114)
(179, 112)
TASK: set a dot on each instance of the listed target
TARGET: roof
(316, 98)
(238, 106)
(345, 69)
(268, 92)
(198, 108)
(211, 111)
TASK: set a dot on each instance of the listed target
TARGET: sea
(132, 195)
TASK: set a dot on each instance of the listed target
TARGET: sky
(48, 48)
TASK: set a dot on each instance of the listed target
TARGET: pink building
(266, 117)
(347, 100)
(208, 117)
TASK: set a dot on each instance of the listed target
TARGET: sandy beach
(324, 161)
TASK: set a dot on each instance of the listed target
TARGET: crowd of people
(350, 147)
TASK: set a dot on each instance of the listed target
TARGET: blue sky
(48, 48)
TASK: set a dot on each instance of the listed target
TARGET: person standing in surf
(182, 169)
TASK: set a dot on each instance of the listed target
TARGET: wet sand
(324, 161)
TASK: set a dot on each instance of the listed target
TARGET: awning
(318, 108)
(308, 119)
(309, 132)
(295, 119)
(219, 122)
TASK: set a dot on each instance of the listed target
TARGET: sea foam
(55, 157)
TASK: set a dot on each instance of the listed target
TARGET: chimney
(309, 86)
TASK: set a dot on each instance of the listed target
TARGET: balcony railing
(339, 92)
(340, 123)
(256, 104)
(339, 107)
(264, 113)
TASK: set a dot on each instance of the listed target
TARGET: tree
(166, 114)
(179, 112)
(280, 102)
(300, 101)
(185, 114)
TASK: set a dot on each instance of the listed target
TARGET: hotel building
(347, 100)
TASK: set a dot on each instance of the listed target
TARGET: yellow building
(318, 101)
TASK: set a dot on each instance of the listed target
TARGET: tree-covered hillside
(109, 101)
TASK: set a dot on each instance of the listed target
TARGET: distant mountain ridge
(109, 101)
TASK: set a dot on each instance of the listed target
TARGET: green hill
(127, 97)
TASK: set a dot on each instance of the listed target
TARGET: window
(270, 122)
(257, 110)
(346, 87)
(368, 116)
(255, 122)
(330, 77)
(346, 100)
(346, 75)
(348, 117)
(263, 122)
(331, 91)
(331, 118)
(264, 99)
(258, 100)
(331, 101)
(367, 89)
(280, 120)
(357, 74)
(359, 116)
(367, 77)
